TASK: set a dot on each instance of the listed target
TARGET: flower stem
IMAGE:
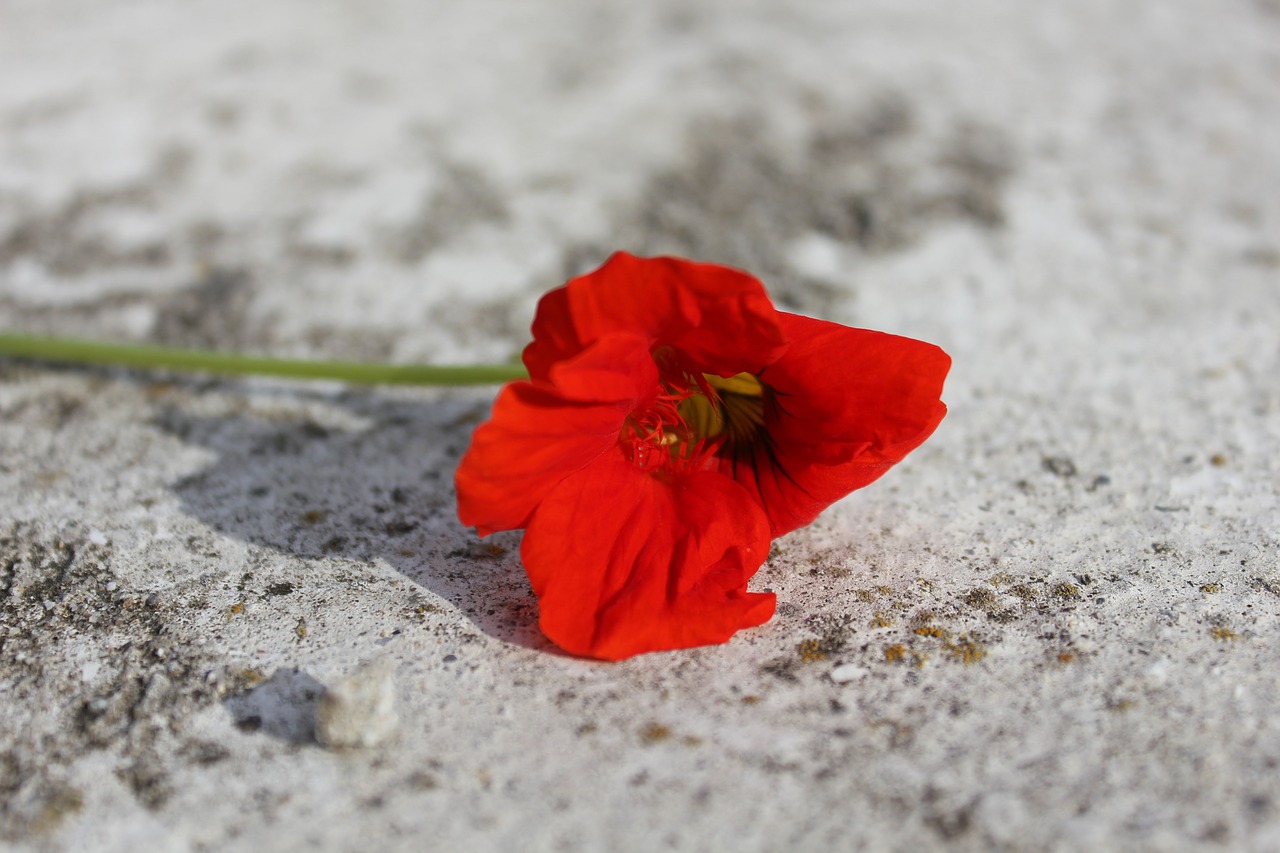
(173, 358)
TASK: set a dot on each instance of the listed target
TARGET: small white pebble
(360, 710)
(847, 672)
(97, 537)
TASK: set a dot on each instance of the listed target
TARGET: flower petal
(624, 562)
(846, 406)
(540, 434)
(720, 318)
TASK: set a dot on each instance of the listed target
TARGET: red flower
(673, 423)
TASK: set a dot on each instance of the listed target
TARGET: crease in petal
(624, 562)
(720, 318)
(845, 406)
(539, 434)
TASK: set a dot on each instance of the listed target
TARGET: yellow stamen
(737, 408)
(744, 384)
(702, 416)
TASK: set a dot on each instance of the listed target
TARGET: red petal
(847, 405)
(624, 562)
(538, 435)
(719, 317)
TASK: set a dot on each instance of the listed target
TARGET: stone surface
(1053, 628)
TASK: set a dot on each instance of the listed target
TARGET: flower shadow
(357, 478)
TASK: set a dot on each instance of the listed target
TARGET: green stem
(173, 358)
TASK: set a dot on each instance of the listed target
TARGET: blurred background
(400, 180)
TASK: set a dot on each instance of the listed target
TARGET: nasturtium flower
(674, 423)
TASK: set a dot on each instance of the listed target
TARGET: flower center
(730, 408)
(693, 419)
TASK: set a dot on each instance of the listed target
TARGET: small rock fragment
(360, 710)
(846, 673)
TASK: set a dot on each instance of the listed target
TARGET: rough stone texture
(1053, 628)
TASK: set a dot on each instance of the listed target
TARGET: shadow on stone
(380, 491)
(282, 707)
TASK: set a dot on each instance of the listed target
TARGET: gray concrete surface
(1053, 628)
